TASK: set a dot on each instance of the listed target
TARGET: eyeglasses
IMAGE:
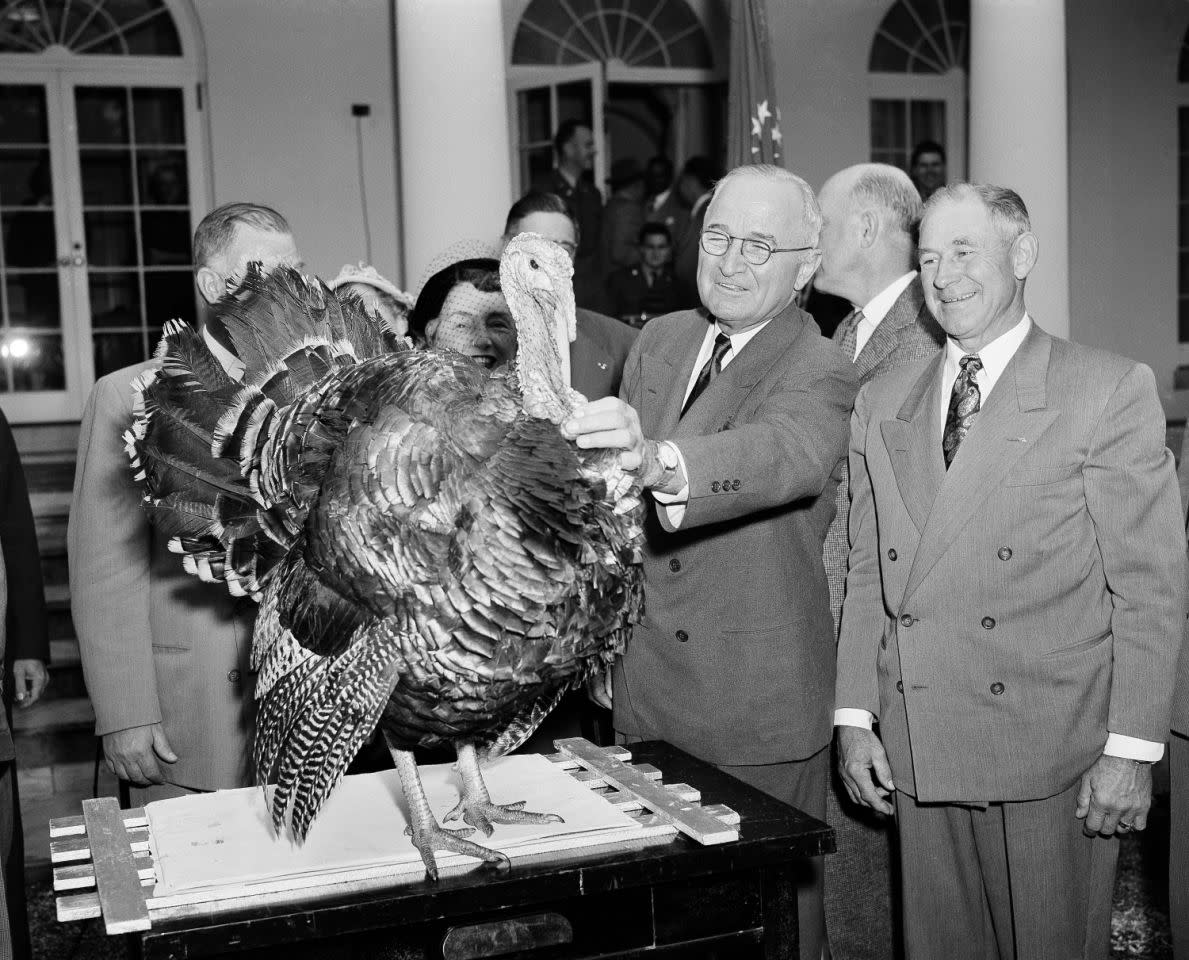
(755, 252)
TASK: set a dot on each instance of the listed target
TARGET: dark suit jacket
(598, 353)
(157, 644)
(734, 658)
(1013, 609)
(906, 334)
(631, 295)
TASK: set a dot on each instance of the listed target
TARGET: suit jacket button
(734, 484)
(988, 623)
(906, 621)
(899, 686)
(674, 564)
(726, 485)
(233, 676)
(682, 636)
(892, 554)
(714, 487)
(1005, 553)
(997, 688)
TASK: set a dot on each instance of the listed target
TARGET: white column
(455, 177)
(1019, 132)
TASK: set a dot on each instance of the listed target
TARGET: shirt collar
(995, 355)
(878, 306)
(227, 360)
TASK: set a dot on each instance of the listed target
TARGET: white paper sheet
(226, 838)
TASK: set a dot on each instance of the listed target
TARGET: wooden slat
(76, 827)
(116, 877)
(689, 818)
(78, 906)
(73, 849)
(81, 876)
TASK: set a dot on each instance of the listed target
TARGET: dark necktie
(710, 369)
(847, 334)
(964, 404)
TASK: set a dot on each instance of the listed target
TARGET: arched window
(663, 33)
(90, 27)
(918, 66)
(101, 169)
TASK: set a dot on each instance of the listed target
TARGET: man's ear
(868, 228)
(807, 269)
(211, 286)
(1025, 250)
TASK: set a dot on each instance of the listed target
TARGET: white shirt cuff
(1132, 748)
(672, 505)
(850, 717)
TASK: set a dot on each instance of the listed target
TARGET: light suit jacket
(1001, 617)
(907, 333)
(157, 644)
(734, 659)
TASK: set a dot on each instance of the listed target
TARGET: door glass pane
(34, 362)
(29, 238)
(162, 176)
(102, 114)
(115, 298)
(107, 177)
(158, 116)
(534, 116)
(25, 177)
(33, 299)
(116, 350)
(165, 236)
(111, 238)
(22, 115)
(575, 101)
(169, 294)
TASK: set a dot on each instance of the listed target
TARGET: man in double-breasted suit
(1013, 607)
(735, 418)
(870, 212)
(1178, 761)
(165, 656)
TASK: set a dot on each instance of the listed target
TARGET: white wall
(281, 80)
(1123, 176)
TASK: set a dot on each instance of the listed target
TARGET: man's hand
(864, 767)
(30, 679)
(612, 424)
(598, 688)
(1115, 796)
(133, 754)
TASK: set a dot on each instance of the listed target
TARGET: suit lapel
(1011, 422)
(883, 341)
(666, 375)
(913, 442)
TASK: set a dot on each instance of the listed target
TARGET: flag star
(763, 112)
(756, 129)
(777, 136)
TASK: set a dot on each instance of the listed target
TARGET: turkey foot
(476, 807)
(427, 835)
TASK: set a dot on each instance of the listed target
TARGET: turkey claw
(484, 814)
(439, 838)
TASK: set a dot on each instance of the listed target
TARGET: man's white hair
(811, 213)
(891, 190)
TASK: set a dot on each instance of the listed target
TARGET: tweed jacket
(907, 332)
(734, 660)
(1002, 616)
(157, 644)
(598, 353)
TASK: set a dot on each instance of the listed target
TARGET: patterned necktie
(964, 404)
(710, 369)
(847, 334)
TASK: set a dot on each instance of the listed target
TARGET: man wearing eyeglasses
(735, 418)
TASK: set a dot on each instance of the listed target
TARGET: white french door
(100, 173)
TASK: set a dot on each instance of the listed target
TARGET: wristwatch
(670, 461)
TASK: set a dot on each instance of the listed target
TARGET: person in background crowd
(25, 649)
(624, 215)
(380, 296)
(869, 217)
(927, 167)
(648, 289)
(601, 346)
(165, 656)
(663, 203)
(460, 305)
(1014, 604)
(693, 188)
(735, 420)
(572, 180)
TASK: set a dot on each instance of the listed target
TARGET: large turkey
(429, 552)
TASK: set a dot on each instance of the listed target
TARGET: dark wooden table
(678, 899)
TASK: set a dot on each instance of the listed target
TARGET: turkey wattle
(430, 554)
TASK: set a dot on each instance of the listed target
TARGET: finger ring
(1124, 825)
